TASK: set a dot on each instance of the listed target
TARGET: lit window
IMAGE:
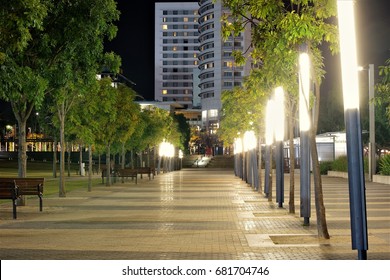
(185, 19)
(213, 113)
(165, 27)
(164, 91)
(204, 115)
(174, 48)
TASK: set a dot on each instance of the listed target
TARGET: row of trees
(280, 31)
(50, 53)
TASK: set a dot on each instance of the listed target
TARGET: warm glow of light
(237, 146)
(180, 154)
(269, 123)
(279, 111)
(166, 149)
(304, 90)
(249, 140)
(348, 53)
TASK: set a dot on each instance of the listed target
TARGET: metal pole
(372, 146)
(357, 189)
(305, 177)
(267, 169)
(279, 174)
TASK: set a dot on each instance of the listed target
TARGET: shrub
(325, 166)
(384, 165)
(340, 164)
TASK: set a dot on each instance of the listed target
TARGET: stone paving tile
(199, 214)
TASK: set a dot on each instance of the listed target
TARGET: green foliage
(340, 164)
(325, 166)
(384, 165)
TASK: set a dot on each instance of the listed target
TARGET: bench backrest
(8, 190)
(26, 186)
(30, 186)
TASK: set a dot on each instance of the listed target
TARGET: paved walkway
(193, 214)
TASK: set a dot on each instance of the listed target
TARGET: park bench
(126, 173)
(8, 190)
(114, 173)
(25, 186)
(145, 171)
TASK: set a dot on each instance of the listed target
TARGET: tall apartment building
(218, 71)
(176, 52)
(193, 65)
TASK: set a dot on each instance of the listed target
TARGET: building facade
(218, 71)
(176, 52)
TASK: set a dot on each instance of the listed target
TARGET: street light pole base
(362, 254)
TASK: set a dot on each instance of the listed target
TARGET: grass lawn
(9, 168)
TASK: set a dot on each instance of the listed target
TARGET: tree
(67, 39)
(184, 129)
(279, 29)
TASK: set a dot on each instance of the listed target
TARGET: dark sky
(135, 41)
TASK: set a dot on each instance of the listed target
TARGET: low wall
(382, 179)
(338, 174)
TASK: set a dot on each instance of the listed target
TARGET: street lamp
(269, 139)
(357, 195)
(304, 125)
(279, 136)
(371, 114)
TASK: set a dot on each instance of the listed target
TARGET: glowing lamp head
(348, 53)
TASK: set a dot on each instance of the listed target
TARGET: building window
(165, 27)
(213, 113)
(164, 91)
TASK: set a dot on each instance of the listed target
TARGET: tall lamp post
(279, 136)
(304, 125)
(357, 195)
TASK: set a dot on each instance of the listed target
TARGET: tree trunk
(90, 168)
(108, 165)
(322, 227)
(68, 149)
(82, 170)
(61, 115)
(123, 156)
(55, 158)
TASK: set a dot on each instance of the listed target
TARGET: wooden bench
(128, 172)
(31, 186)
(8, 190)
(25, 186)
(146, 170)
(114, 173)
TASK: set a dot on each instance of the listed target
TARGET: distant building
(193, 65)
(218, 71)
(176, 52)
